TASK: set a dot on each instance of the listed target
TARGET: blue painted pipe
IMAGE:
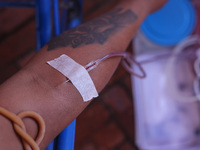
(68, 23)
(64, 17)
(56, 17)
(50, 146)
(65, 140)
(43, 22)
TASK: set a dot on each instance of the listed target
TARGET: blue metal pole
(66, 139)
(50, 146)
(56, 17)
(43, 22)
(78, 18)
(64, 17)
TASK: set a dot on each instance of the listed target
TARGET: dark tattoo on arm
(95, 31)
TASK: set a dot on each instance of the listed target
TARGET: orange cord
(20, 129)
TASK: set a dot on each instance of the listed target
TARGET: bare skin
(40, 88)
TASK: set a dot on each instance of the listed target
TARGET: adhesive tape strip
(77, 74)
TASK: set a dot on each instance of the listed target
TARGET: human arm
(40, 88)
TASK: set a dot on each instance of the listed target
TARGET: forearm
(40, 88)
(111, 32)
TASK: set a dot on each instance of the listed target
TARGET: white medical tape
(77, 74)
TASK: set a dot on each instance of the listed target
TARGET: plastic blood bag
(162, 120)
(167, 110)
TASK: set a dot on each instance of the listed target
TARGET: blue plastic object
(65, 140)
(171, 24)
(73, 23)
(64, 17)
(50, 146)
(43, 22)
(73, 15)
(56, 17)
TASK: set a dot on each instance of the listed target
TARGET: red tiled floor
(92, 119)
(117, 99)
(109, 136)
